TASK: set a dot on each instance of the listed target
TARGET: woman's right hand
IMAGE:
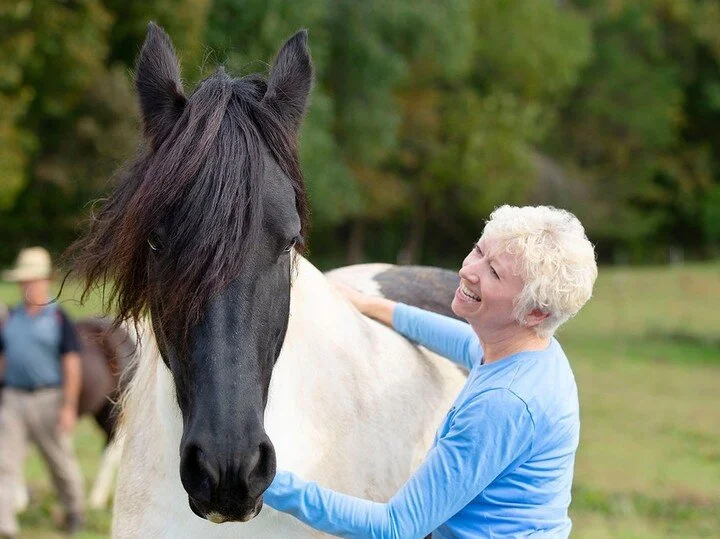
(380, 309)
(358, 299)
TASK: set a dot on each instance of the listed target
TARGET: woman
(502, 461)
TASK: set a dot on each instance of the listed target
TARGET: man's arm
(2, 360)
(2, 356)
(2, 374)
(72, 377)
(72, 374)
(491, 434)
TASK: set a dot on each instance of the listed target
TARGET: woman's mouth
(467, 294)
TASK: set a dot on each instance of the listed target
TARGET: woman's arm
(489, 435)
(445, 336)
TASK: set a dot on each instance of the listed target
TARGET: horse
(248, 358)
(106, 366)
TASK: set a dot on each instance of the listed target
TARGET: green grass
(646, 355)
(44, 516)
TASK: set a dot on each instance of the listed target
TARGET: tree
(69, 113)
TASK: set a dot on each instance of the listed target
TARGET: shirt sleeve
(491, 434)
(69, 341)
(443, 335)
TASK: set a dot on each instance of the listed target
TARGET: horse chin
(218, 518)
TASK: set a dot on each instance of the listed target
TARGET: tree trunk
(356, 244)
(411, 251)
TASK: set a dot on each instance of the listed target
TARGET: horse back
(428, 288)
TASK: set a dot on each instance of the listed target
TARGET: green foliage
(69, 114)
(183, 19)
(640, 122)
(425, 115)
(711, 215)
(530, 47)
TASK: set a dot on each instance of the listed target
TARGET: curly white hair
(554, 258)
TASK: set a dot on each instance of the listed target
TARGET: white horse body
(352, 405)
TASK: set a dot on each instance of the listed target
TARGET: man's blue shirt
(33, 346)
(501, 463)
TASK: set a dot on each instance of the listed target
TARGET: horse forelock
(202, 186)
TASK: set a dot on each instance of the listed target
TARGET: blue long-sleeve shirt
(502, 460)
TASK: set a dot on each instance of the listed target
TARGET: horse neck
(315, 378)
(321, 322)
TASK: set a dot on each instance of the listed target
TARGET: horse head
(201, 234)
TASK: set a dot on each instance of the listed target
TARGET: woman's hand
(380, 309)
(358, 299)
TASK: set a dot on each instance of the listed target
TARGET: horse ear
(291, 80)
(157, 81)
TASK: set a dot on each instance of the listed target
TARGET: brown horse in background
(105, 358)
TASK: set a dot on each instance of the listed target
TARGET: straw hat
(32, 264)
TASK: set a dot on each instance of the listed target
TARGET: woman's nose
(469, 273)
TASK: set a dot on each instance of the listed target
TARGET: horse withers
(249, 358)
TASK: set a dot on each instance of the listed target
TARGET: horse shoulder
(353, 404)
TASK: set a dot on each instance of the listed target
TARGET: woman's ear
(535, 317)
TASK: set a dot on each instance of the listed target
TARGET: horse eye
(154, 243)
(292, 244)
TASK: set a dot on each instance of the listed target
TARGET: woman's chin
(461, 308)
(456, 308)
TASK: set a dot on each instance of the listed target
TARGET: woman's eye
(494, 272)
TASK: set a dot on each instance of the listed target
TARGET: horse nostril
(198, 477)
(264, 470)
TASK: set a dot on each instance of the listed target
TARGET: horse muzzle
(243, 513)
(226, 483)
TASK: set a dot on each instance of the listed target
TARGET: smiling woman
(501, 464)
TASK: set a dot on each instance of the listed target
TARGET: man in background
(40, 371)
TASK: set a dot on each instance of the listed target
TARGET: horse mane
(202, 188)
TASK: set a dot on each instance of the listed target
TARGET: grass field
(646, 354)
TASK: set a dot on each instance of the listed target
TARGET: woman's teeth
(468, 294)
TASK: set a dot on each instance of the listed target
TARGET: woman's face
(488, 287)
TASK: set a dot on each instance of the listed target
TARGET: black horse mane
(196, 198)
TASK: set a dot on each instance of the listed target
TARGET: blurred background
(425, 116)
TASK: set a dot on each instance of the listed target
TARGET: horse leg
(22, 496)
(106, 418)
(100, 493)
